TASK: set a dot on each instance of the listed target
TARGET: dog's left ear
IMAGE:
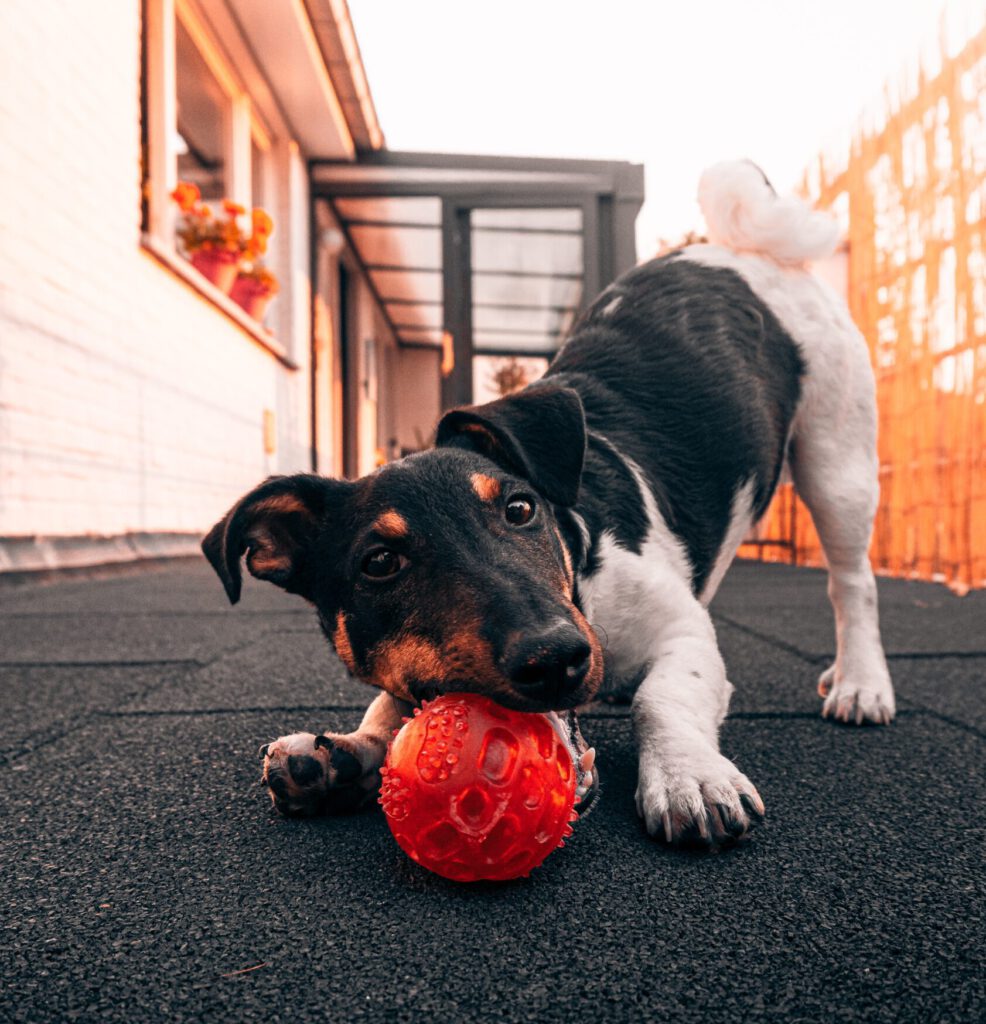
(276, 526)
(538, 433)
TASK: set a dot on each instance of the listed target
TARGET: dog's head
(446, 571)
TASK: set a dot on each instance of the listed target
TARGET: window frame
(161, 110)
(242, 127)
(231, 102)
(259, 138)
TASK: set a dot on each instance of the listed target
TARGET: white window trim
(260, 137)
(162, 119)
(243, 125)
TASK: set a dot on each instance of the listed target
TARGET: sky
(673, 85)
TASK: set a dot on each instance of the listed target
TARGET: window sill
(170, 259)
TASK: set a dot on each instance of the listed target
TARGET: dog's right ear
(538, 433)
(276, 525)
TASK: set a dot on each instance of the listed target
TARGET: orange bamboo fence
(915, 191)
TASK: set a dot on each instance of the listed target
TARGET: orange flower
(233, 209)
(262, 223)
(186, 195)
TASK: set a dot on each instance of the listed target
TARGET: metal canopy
(497, 253)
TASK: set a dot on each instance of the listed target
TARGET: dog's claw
(718, 821)
(705, 805)
(753, 803)
(264, 750)
(857, 703)
(733, 827)
(702, 824)
(666, 822)
(324, 741)
(858, 709)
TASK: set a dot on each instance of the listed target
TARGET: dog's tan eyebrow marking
(391, 524)
(487, 487)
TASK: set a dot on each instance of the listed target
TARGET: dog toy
(472, 790)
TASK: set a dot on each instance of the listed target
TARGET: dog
(605, 499)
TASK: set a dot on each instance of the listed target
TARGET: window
(200, 128)
(203, 113)
(260, 183)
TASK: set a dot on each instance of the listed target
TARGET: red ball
(473, 790)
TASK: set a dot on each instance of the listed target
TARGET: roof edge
(336, 36)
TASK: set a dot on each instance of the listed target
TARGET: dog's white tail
(742, 211)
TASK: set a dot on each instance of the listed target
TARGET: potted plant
(213, 244)
(255, 285)
(254, 288)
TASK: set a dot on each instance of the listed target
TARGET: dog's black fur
(692, 377)
(677, 367)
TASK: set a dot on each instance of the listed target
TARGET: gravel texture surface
(146, 879)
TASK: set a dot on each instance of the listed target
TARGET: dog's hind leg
(834, 466)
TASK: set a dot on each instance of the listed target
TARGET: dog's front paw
(849, 700)
(308, 775)
(702, 800)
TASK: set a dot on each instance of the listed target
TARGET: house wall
(128, 401)
(366, 346)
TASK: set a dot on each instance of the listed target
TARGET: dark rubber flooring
(144, 878)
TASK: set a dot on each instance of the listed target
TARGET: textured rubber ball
(473, 790)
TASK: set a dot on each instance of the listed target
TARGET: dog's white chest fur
(634, 599)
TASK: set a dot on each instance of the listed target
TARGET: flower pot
(253, 295)
(218, 265)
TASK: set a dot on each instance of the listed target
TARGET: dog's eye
(519, 511)
(382, 563)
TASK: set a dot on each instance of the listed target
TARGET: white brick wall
(128, 402)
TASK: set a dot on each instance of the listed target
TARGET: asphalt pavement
(144, 877)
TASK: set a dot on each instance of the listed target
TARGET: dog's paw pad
(308, 775)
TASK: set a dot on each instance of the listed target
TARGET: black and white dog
(614, 491)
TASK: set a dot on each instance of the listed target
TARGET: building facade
(147, 148)
(137, 400)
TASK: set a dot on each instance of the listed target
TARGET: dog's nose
(550, 664)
